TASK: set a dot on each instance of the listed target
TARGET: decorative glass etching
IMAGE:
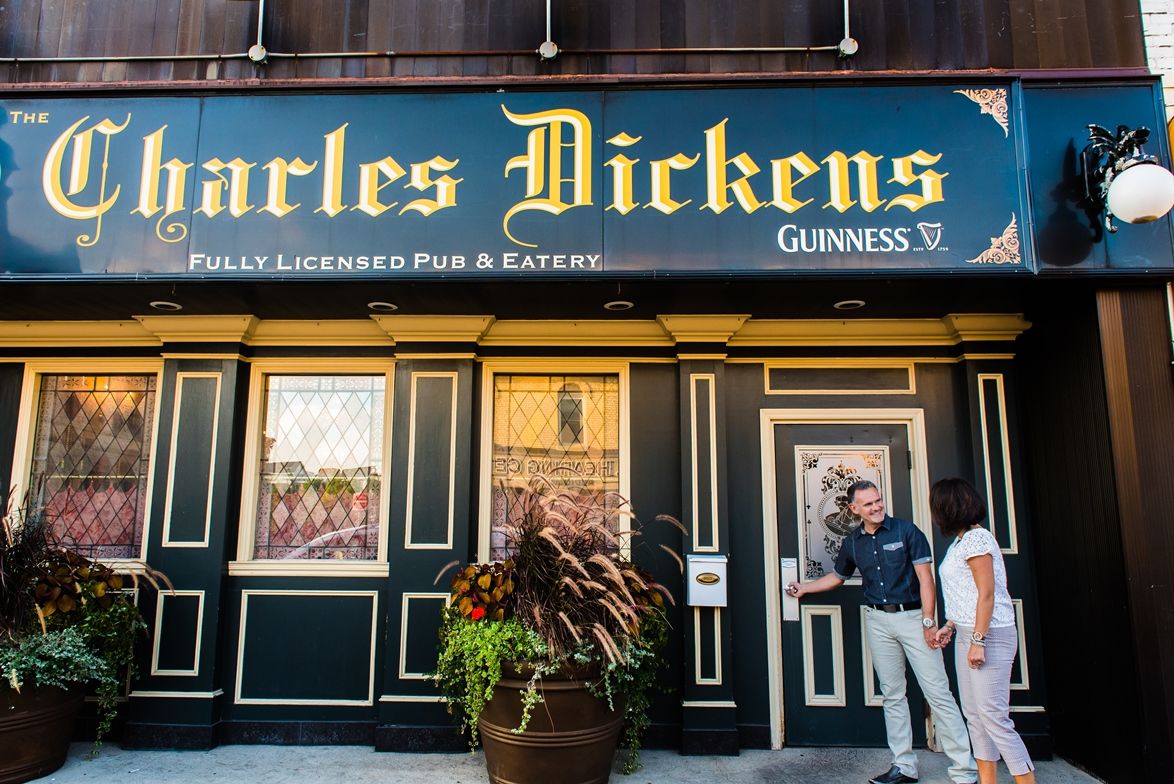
(91, 460)
(321, 467)
(566, 428)
(826, 472)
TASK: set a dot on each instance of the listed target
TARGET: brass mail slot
(708, 578)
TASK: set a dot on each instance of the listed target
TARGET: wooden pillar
(1139, 384)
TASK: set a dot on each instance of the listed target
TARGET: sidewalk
(362, 765)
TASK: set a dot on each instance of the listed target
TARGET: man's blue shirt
(885, 560)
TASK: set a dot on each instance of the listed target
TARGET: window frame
(546, 367)
(26, 428)
(245, 563)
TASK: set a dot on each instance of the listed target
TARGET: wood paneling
(1140, 392)
(1080, 574)
(501, 36)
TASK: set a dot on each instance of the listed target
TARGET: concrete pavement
(362, 765)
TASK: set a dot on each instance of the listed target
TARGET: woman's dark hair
(955, 506)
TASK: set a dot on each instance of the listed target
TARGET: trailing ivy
(61, 658)
(470, 661)
(635, 679)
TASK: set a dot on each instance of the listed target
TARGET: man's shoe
(892, 776)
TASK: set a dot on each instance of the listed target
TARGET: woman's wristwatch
(978, 638)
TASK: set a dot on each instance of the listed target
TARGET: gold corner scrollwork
(992, 101)
(1004, 249)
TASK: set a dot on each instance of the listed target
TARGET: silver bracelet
(979, 643)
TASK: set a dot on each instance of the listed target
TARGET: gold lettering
(369, 185)
(176, 171)
(51, 175)
(544, 170)
(840, 181)
(931, 181)
(716, 164)
(280, 171)
(661, 187)
(237, 184)
(332, 164)
(784, 181)
(621, 175)
(446, 187)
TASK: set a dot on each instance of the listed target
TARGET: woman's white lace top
(958, 581)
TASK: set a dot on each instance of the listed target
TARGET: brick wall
(1158, 22)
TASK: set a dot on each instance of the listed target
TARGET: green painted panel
(823, 655)
(703, 397)
(421, 628)
(307, 647)
(11, 376)
(178, 632)
(432, 433)
(192, 473)
(800, 379)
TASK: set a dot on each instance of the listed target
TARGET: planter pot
(36, 727)
(571, 738)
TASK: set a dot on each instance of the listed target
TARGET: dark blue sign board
(672, 181)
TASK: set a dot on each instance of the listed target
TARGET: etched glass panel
(321, 468)
(825, 474)
(566, 428)
(91, 460)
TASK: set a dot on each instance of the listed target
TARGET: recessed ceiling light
(618, 304)
(849, 304)
(382, 307)
(162, 304)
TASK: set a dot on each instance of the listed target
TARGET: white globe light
(1142, 193)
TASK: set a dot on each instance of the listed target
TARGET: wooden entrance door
(829, 693)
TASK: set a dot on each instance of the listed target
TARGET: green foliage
(61, 658)
(471, 658)
(634, 680)
(67, 621)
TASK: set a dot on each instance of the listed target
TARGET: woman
(974, 582)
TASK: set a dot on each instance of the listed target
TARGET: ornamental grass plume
(568, 596)
(568, 578)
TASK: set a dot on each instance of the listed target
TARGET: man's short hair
(856, 487)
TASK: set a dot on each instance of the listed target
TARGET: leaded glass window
(566, 428)
(91, 460)
(321, 467)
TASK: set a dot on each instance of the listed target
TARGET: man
(896, 567)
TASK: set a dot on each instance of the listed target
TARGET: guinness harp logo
(931, 233)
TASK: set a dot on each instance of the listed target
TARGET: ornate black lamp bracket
(1106, 156)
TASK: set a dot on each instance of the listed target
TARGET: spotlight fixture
(382, 307)
(1121, 180)
(162, 304)
(618, 304)
(849, 304)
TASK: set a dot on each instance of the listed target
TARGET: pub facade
(279, 322)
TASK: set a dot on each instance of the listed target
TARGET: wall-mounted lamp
(1122, 180)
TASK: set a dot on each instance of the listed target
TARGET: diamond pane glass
(321, 468)
(566, 428)
(91, 457)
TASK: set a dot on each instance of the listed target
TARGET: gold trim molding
(434, 329)
(733, 331)
(200, 329)
(702, 328)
